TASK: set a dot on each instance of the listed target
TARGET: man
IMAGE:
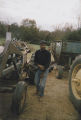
(42, 60)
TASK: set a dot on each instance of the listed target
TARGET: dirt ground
(55, 105)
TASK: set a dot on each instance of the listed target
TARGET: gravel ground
(55, 105)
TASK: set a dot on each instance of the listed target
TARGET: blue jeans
(40, 81)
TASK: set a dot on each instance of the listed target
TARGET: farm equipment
(68, 54)
(64, 52)
(31, 69)
(75, 83)
(13, 60)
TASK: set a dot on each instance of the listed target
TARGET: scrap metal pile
(13, 60)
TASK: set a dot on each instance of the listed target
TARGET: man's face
(42, 46)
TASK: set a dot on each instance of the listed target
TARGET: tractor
(67, 54)
(64, 52)
(13, 60)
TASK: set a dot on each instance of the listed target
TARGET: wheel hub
(76, 81)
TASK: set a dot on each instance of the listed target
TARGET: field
(33, 47)
(2, 41)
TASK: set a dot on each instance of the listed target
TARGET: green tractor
(67, 55)
(75, 83)
(64, 53)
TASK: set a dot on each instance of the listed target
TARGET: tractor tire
(60, 72)
(75, 83)
(19, 98)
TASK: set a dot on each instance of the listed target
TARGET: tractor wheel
(60, 72)
(75, 83)
(19, 97)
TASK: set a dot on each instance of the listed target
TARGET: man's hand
(41, 67)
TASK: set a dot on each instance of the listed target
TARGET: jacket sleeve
(48, 61)
(35, 59)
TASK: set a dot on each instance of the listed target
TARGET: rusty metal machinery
(75, 83)
(68, 54)
(13, 60)
(64, 52)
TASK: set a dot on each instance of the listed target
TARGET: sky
(46, 13)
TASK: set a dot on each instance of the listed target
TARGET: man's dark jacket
(42, 57)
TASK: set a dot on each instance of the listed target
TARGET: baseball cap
(43, 42)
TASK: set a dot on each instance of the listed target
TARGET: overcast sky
(47, 13)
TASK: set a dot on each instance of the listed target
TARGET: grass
(2, 41)
(34, 47)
